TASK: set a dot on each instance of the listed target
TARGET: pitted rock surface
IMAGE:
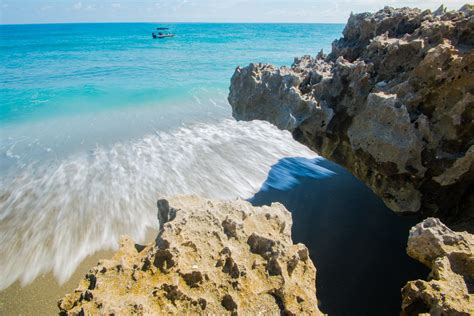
(393, 103)
(450, 255)
(210, 257)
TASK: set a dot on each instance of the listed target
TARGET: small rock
(450, 255)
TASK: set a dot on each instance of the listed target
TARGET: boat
(164, 33)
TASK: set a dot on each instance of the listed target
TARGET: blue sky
(335, 11)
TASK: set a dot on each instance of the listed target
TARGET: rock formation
(210, 257)
(393, 103)
(450, 255)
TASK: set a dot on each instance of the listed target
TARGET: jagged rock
(393, 103)
(210, 257)
(450, 255)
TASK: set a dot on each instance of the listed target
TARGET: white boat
(164, 33)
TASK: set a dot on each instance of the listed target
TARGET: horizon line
(168, 22)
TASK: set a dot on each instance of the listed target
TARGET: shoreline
(311, 206)
(382, 124)
(41, 296)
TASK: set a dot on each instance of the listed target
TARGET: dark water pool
(357, 244)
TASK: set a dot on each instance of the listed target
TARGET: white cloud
(77, 6)
(179, 5)
(201, 10)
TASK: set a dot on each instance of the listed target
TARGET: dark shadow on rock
(357, 244)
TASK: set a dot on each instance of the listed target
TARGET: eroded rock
(210, 257)
(393, 103)
(450, 255)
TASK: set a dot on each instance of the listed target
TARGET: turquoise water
(97, 121)
(66, 88)
(66, 69)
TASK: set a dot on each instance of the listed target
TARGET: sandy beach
(41, 296)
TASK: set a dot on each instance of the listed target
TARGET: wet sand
(41, 296)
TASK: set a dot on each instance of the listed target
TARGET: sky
(304, 11)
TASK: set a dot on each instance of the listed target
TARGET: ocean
(98, 121)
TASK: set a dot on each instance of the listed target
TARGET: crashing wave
(55, 214)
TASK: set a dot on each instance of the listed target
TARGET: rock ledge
(393, 103)
(210, 257)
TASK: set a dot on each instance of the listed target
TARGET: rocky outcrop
(450, 255)
(210, 257)
(393, 102)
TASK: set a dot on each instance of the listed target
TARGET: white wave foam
(54, 215)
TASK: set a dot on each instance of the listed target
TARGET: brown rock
(393, 103)
(210, 257)
(450, 255)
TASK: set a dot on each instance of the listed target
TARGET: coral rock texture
(210, 257)
(450, 255)
(393, 102)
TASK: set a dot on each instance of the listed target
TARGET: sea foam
(56, 213)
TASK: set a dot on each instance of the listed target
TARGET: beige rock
(210, 257)
(393, 103)
(450, 255)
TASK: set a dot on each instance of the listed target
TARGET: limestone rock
(210, 257)
(450, 255)
(393, 103)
